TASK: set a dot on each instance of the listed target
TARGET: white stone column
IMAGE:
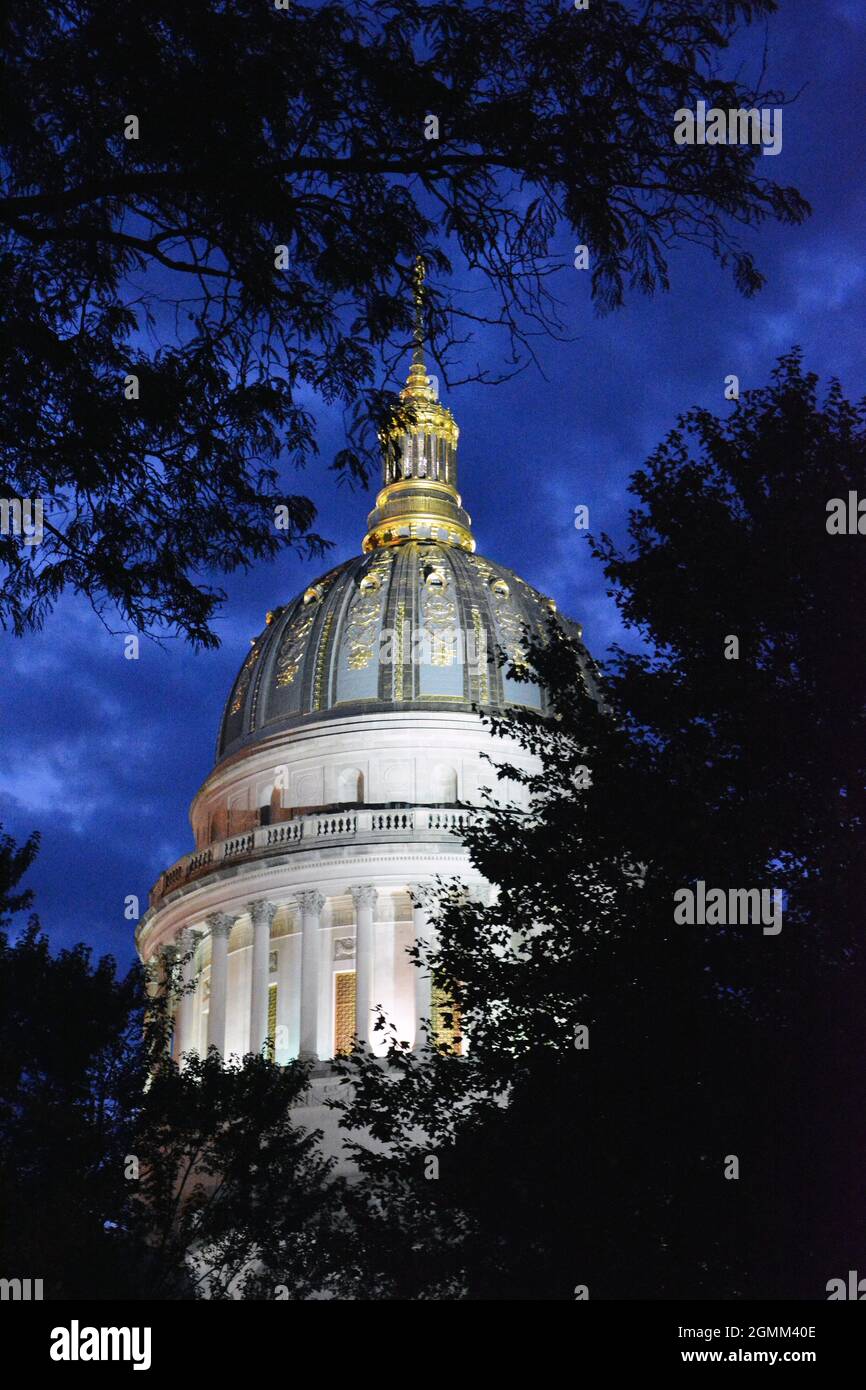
(311, 904)
(261, 916)
(364, 898)
(423, 982)
(160, 981)
(186, 941)
(220, 924)
(287, 996)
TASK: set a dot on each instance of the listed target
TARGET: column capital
(186, 938)
(311, 901)
(364, 895)
(220, 923)
(262, 909)
(421, 895)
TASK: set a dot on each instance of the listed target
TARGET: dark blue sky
(103, 755)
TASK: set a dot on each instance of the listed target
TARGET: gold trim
(398, 677)
(451, 699)
(483, 683)
(429, 417)
(293, 647)
(320, 661)
(410, 485)
(244, 678)
(387, 532)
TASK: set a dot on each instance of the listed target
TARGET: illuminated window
(352, 786)
(344, 1010)
(440, 1006)
(272, 1016)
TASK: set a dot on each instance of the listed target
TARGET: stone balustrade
(413, 822)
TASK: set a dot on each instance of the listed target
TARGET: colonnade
(309, 905)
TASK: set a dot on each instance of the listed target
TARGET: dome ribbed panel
(354, 642)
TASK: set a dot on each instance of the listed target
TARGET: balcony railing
(416, 822)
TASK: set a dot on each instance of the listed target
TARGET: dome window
(313, 594)
(500, 588)
(435, 578)
(370, 584)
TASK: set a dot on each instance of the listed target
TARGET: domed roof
(412, 626)
(417, 621)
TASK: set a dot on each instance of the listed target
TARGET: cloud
(828, 278)
(104, 755)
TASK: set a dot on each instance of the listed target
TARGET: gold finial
(420, 498)
(417, 385)
(419, 275)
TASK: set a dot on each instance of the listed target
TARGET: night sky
(104, 755)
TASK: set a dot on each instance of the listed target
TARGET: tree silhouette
(620, 1061)
(126, 1175)
(210, 216)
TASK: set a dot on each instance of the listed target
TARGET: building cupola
(419, 499)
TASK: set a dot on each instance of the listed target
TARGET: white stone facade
(280, 912)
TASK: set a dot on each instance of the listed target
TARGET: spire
(418, 388)
(417, 381)
(419, 500)
(419, 275)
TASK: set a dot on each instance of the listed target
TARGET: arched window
(445, 1022)
(352, 785)
(443, 785)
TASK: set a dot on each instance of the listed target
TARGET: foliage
(600, 1159)
(126, 1175)
(304, 128)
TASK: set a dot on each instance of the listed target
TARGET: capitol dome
(415, 625)
(350, 759)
